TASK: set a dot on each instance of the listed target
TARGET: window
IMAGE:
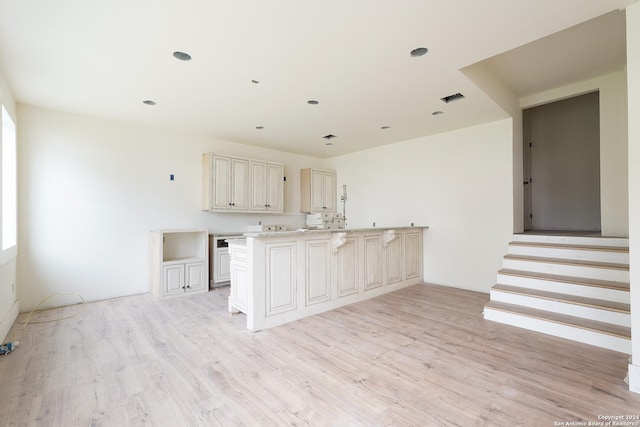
(9, 187)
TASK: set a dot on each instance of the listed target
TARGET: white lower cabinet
(181, 278)
(239, 295)
(179, 262)
(223, 266)
(280, 277)
(220, 261)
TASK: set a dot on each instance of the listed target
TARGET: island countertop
(303, 231)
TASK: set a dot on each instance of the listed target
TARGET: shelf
(184, 244)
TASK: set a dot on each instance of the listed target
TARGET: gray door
(565, 164)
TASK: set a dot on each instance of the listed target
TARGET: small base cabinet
(179, 262)
(220, 259)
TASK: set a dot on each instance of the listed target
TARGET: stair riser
(613, 275)
(610, 342)
(572, 240)
(565, 288)
(608, 316)
(576, 254)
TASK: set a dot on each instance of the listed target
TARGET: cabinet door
(239, 285)
(281, 272)
(274, 187)
(222, 266)
(221, 183)
(317, 191)
(318, 271)
(412, 255)
(259, 186)
(329, 191)
(372, 262)
(394, 260)
(348, 268)
(194, 277)
(240, 184)
(266, 187)
(173, 282)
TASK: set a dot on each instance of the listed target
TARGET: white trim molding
(7, 322)
(634, 378)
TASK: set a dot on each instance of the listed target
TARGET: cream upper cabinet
(267, 192)
(317, 190)
(235, 184)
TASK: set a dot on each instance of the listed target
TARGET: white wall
(614, 211)
(458, 183)
(633, 69)
(486, 79)
(8, 302)
(91, 189)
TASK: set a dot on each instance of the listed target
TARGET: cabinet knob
(188, 286)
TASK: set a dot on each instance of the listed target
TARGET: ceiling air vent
(451, 98)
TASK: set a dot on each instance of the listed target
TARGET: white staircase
(570, 287)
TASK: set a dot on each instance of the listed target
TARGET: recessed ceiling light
(259, 127)
(418, 52)
(437, 113)
(182, 56)
(255, 82)
(312, 102)
(385, 127)
(149, 102)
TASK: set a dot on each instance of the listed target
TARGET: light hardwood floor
(422, 356)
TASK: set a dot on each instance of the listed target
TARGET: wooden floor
(422, 356)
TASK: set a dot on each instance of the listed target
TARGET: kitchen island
(278, 277)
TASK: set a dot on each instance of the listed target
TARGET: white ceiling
(103, 58)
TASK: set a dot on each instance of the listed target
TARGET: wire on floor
(10, 345)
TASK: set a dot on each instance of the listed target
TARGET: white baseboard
(7, 321)
(634, 378)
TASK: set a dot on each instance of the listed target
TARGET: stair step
(574, 262)
(574, 287)
(621, 249)
(617, 272)
(572, 240)
(608, 284)
(563, 319)
(566, 298)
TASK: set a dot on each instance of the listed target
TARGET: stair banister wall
(633, 99)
